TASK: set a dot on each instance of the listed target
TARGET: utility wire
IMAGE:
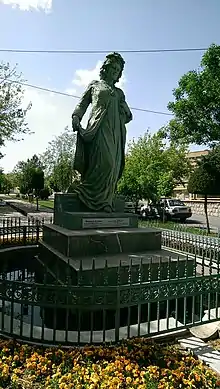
(104, 51)
(77, 97)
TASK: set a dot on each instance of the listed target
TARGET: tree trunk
(206, 214)
(136, 205)
(37, 204)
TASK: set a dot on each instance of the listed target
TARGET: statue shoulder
(90, 86)
(93, 83)
(121, 93)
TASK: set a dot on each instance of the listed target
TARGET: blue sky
(99, 25)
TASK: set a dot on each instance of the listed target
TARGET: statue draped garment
(100, 148)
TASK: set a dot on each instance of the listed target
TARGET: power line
(25, 51)
(77, 97)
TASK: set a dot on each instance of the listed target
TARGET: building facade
(180, 191)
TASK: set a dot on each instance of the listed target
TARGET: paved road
(9, 216)
(200, 219)
(6, 212)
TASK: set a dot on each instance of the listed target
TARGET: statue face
(114, 70)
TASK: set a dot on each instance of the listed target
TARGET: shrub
(44, 194)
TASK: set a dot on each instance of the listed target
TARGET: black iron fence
(200, 245)
(18, 231)
(66, 303)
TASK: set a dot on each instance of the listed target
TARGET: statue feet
(107, 209)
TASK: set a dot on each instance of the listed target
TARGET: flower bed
(138, 363)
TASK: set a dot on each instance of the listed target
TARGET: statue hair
(112, 57)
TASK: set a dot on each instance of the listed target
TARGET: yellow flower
(128, 380)
(14, 377)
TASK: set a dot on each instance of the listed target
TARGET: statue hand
(75, 123)
(125, 113)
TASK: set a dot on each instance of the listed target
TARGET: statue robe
(100, 148)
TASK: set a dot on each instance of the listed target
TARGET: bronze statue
(100, 148)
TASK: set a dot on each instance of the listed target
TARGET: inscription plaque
(105, 222)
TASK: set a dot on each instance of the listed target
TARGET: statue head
(112, 67)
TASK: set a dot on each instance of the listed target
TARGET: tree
(58, 161)
(205, 179)
(25, 172)
(37, 182)
(64, 144)
(152, 168)
(6, 182)
(63, 173)
(12, 115)
(45, 193)
(196, 105)
(2, 177)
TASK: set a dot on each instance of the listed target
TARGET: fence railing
(200, 245)
(19, 231)
(16, 231)
(142, 296)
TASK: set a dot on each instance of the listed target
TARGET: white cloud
(85, 76)
(27, 5)
(49, 114)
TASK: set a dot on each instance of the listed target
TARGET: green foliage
(62, 172)
(63, 144)
(7, 182)
(30, 175)
(153, 168)
(44, 193)
(12, 115)
(201, 182)
(37, 180)
(205, 179)
(58, 161)
(196, 105)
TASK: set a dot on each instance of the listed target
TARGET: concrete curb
(203, 351)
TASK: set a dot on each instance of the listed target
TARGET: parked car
(166, 209)
(131, 207)
(149, 211)
(174, 209)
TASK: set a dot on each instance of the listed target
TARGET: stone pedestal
(96, 242)
(71, 214)
(87, 248)
(101, 280)
(78, 233)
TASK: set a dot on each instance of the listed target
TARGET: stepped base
(103, 277)
(83, 243)
(105, 267)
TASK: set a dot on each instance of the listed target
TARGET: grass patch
(46, 203)
(138, 363)
(42, 203)
(175, 226)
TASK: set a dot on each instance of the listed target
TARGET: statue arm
(125, 108)
(85, 100)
